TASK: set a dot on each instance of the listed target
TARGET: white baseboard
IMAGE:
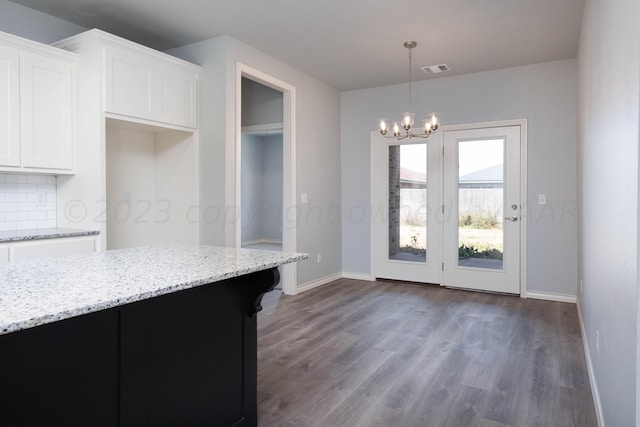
(358, 276)
(332, 277)
(319, 282)
(597, 403)
(548, 296)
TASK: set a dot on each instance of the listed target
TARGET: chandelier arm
(398, 138)
(405, 136)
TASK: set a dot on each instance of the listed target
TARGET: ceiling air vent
(435, 69)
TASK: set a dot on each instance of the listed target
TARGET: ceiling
(349, 44)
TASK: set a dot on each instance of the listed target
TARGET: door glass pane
(480, 203)
(408, 202)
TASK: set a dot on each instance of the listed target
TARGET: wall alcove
(150, 185)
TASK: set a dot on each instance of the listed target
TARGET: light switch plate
(542, 199)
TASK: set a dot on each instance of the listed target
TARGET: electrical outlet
(542, 199)
(304, 198)
(319, 258)
(597, 343)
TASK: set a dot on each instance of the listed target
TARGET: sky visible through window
(473, 155)
(478, 155)
(413, 157)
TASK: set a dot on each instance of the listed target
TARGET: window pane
(480, 203)
(408, 202)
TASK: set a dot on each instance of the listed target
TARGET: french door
(447, 210)
(406, 220)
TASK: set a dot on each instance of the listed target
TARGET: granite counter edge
(104, 305)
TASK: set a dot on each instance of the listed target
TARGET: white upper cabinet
(47, 115)
(179, 96)
(137, 115)
(130, 86)
(139, 82)
(150, 88)
(9, 107)
(36, 107)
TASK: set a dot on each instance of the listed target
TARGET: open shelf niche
(151, 176)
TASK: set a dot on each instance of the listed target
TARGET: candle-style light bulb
(383, 126)
(407, 120)
(434, 121)
(427, 126)
(396, 129)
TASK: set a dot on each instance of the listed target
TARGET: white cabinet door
(179, 97)
(130, 86)
(46, 112)
(145, 87)
(9, 107)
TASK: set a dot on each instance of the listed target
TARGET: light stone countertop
(43, 233)
(42, 291)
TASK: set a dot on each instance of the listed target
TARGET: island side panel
(195, 354)
(64, 373)
(201, 353)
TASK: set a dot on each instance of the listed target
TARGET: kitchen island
(158, 335)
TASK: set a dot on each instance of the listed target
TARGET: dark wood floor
(357, 353)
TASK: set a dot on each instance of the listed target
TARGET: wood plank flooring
(356, 353)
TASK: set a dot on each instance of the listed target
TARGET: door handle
(511, 218)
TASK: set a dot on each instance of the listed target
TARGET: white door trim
(289, 215)
(523, 189)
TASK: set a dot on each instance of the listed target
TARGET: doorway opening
(261, 167)
(265, 167)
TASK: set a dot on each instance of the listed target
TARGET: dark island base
(182, 359)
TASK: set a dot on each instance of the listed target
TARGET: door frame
(439, 139)
(289, 272)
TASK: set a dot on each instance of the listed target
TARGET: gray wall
(272, 187)
(317, 150)
(31, 24)
(609, 74)
(544, 94)
(261, 188)
(260, 104)
(252, 201)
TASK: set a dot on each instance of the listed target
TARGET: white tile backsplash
(27, 201)
(15, 179)
(36, 179)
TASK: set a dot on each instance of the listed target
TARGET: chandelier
(405, 128)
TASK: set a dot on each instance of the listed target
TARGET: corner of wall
(597, 403)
